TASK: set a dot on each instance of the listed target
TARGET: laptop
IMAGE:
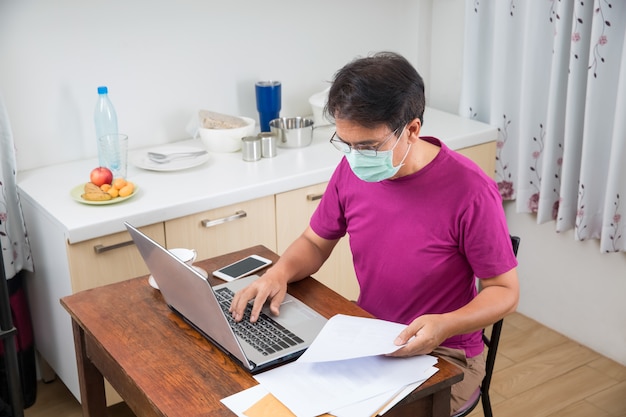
(271, 341)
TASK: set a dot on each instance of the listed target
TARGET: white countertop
(223, 180)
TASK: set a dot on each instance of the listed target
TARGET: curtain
(551, 75)
(13, 238)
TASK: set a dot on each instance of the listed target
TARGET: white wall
(164, 60)
(570, 286)
(567, 285)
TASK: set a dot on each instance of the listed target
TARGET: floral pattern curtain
(15, 247)
(551, 75)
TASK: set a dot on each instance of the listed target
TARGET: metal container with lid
(268, 144)
(251, 148)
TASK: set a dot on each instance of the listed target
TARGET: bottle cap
(103, 90)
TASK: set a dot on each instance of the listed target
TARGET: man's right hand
(302, 258)
(267, 288)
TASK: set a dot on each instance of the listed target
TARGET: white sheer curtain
(551, 75)
(15, 247)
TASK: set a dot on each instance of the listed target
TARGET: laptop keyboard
(266, 335)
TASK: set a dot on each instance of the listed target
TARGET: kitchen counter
(223, 180)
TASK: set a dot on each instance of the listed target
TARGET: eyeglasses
(365, 150)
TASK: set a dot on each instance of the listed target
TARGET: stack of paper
(344, 373)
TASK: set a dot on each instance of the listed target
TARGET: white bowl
(318, 102)
(226, 140)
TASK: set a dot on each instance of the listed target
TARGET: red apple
(101, 175)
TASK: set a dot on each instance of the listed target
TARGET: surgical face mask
(375, 168)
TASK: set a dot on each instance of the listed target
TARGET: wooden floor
(539, 373)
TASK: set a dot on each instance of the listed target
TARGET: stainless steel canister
(268, 144)
(251, 148)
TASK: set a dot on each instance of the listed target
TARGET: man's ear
(414, 127)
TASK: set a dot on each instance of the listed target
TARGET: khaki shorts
(473, 374)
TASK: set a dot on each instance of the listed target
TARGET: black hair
(383, 88)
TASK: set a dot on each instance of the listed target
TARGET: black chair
(492, 341)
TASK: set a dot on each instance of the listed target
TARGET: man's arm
(302, 258)
(499, 296)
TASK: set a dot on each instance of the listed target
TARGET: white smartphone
(241, 268)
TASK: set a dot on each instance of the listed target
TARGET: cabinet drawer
(108, 259)
(226, 229)
(484, 155)
(293, 212)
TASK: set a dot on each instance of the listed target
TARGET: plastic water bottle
(105, 118)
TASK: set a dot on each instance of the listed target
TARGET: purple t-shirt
(419, 241)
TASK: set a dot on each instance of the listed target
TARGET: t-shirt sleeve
(485, 236)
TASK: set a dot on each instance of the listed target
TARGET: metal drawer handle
(238, 215)
(314, 197)
(102, 248)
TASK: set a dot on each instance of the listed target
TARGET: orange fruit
(113, 192)
(127, 189)
(119, 183)
(105, 187)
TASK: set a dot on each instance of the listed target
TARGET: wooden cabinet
(113, 258)
(108, 259)
(226, 229)
(483, 155)
(293, 211)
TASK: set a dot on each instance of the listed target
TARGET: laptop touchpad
(292, 313)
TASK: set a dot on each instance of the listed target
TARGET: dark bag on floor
(5, 409)
(24, 345)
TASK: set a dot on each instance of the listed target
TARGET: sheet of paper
(240, 402)
(406, 391)
(348, 337)
(245, 400)
(344, 370)
(381, 403)
(310, 389)
(257, 402)
(365, 408)
(269, 406)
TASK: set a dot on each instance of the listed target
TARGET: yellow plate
(77, 191)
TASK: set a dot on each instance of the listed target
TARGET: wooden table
(160, 366)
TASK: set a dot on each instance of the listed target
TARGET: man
(423, 223)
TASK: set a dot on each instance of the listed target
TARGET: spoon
(161, 158)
